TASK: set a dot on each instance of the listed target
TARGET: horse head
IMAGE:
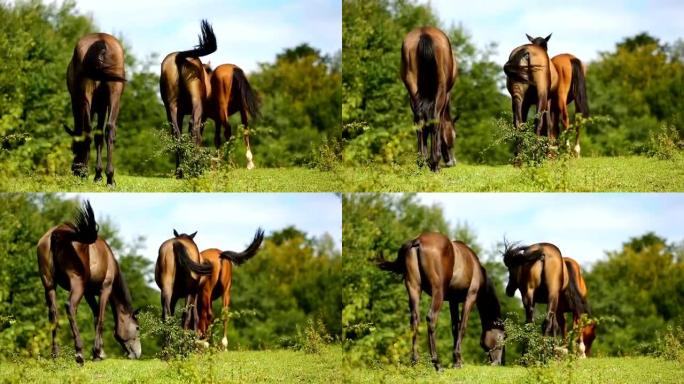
(540, 41)
(492, 342)
(127, 333)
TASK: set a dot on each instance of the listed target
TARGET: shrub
(176, 342)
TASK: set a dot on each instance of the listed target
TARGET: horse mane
(84, 225)
(488, 304)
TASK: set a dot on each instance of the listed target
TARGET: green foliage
(670, 346)
(536, 349)
(175, 341)
(666, 143)
(312, 339)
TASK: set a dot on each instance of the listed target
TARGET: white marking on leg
(248, 155)
(577, 150)
(582, 349)
(224, 342)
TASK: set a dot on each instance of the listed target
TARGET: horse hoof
(179, 173)
(449, 164)
(250, 165)
(458, 365)
(438, 368)
(79, 359)
(97, 178)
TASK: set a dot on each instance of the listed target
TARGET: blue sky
(584, 226)
(580, 27)
(223, 220)
(248, 32)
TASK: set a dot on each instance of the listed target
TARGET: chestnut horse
(428, 70)
(539, 273)
(449, 270)
(177, 274)
(231, 93)
(95, 79)
(218, 284)
(184, 86)
(588, 333)
(73, 256)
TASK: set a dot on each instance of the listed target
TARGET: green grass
(275, 366)
(237, 180)
(594, 174)
(639, 370)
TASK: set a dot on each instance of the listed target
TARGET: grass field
(276, 366)
(640, 370)
(595, 174)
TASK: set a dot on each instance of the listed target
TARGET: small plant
(194, 160)
(670, 346)
(177, 343)
(665, 143)
(328, 155)
(538, 350)
(312, 339)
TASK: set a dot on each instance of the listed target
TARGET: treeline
(294, 281)
(636, 88)
(300, 94)
(635, 292)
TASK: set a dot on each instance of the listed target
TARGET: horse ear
(529, 38)
(548, 37)
(68, 130)
(175, 233)
(193, 235)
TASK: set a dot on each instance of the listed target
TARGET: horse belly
(460, 281)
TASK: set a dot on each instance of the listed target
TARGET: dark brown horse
(177, 274)
(449, 271)
(566, 84)
(184, 86)
(95, 78)
(230, 93)
(565, 305)
(220, 281)
(73, 256)
(539, 273)
(428, 70)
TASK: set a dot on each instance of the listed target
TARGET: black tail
(252, 249)
(397, 266)
(427, 78)
(577, 303)
(250, 101)
(579, 87)
(96, 65)
(183, 258)
(206, 46)
(84, 226)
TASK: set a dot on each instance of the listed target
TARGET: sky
(580, 27)
(226, 221)
(247, 31)
(583, 225)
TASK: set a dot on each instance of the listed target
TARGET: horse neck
(488, 306)
(120, 298)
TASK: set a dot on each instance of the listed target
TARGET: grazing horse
(550, 83)
(177, 274)
(73, 256)
(95, 79)
(184, 86)
(218, 284)
(449, 270)
(428, 70)
(539, 273)
(588, 333)
(231, 93)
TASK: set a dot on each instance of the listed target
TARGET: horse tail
(96, 66)
(579, 87)
(398, 266)
(577, 303)
(427, 78)
(206, 46)
(240, 257)
(248, 98)
(85, 227)
(183, 258)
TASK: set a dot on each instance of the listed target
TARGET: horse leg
(441, 100)
(467, 307)
(448, 137)
(75, 294)
(433, 314)
(179, 126)
(453, 310)
(189, 312)
(115, 90)
(551, 318)
(543, 122)
(248, 152)
(226, 303)
(414, 308)
(217, 133)
(99, 140)
(580, 338)
(51, 298)
(528, 303)
(196, 120)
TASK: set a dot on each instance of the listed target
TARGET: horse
(588, 333)
(539, 273)
(74, 257)
(95, 79)
(184, 86)
(220, 281)
(449, 270)
(568, 85)
(177, 274)
(429, 71)
(230, 93)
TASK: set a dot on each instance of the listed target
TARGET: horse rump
(579, 88)
(245, 93)
(183, 258)
(397, 266)
(572, 293)
(240, 257)
(97, 65)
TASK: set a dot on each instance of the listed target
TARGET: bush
(176, 342)
(664, 143)
(537, 349)
(194, 160)
(312, 339)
